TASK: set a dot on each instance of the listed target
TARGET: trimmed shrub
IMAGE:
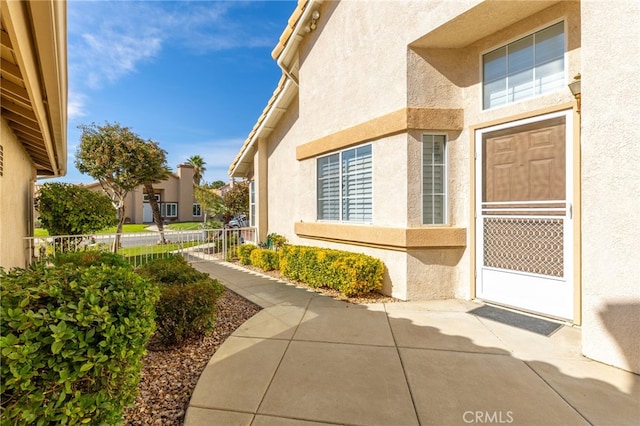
(171, 269)
(350, 273)
(89, 258)
(187, 304)
(244, 252)
(357, 274)
(265, 259)
(186, 311)
(72, 342)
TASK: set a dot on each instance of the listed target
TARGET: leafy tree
(198, 164)
(217, 184)
(67, 209)
(236, 200)
(210, 201)
(156, 171)
(117, 158)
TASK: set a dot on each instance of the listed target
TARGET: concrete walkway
(307, 359)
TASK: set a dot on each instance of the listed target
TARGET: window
(145, 197)
(345, 185)
(525, 68)
(197, 210)
(434, 180)
(252, 203)
(169, 209)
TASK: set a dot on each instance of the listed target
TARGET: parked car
(239, 221)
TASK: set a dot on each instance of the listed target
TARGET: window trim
(145, 197)
(252, 203)
(340, 207)
(445, 204)
(163, 209)
(548, 24)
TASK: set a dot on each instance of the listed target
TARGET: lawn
(184, 226)
(141, 254)
(127, 228)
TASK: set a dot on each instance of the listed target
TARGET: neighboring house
(33, 123)
(175, 195)
(442, 138)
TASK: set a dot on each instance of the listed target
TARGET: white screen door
(524, 220)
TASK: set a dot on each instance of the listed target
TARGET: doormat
(514, 319)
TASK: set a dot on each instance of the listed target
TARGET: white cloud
(108, 40)
(218, 154)
(76, 105)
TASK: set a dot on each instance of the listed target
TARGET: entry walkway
(307, 359)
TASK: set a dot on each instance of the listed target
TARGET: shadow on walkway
(307, 359)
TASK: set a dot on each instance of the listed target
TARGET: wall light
(576, 89)
(313, 23)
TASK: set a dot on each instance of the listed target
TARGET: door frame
(573, 174)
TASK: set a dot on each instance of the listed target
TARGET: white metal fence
(139, 247)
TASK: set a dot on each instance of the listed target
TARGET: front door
(147, 213)
(524, 217)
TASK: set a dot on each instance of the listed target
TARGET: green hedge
(265, 259)
(244, 252)
(187, 305)
(350, 273)
(72, 342)
(171, 269)
(89, 258)
(187, 310)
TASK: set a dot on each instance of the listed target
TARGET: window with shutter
(345, 185)
(434, 180)
(528, 67)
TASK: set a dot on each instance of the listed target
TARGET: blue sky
(191, 75)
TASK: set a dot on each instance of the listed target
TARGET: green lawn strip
(184, 226)
(128, 228)
(156, 248)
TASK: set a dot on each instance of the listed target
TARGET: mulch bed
(169, 376)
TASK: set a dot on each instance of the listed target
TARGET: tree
(217, 184)
(210, 201)
(156, 171)
(117, 158)
(236, 200)
(66, 209)
(198, 168)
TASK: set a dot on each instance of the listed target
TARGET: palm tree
(198, 168)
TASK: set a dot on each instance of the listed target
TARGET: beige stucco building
(175, 196)
(442, 138)
(33, 124)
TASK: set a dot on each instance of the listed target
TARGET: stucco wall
(611, 183)
(16, 189)
(360, 65)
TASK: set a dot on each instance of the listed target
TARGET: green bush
(186, 311)
(187, 304)
(171, 269)
(276, 241)
(265, 259)
(72, 342)
(244, 252)
(350, 273)
(89, 258)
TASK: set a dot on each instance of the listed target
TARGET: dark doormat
(514, 319)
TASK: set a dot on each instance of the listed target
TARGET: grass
(127, 228)
(184, 226)
(141, 254)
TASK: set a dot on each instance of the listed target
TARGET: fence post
(224, 244)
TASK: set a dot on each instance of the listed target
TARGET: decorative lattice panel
(525, 244)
